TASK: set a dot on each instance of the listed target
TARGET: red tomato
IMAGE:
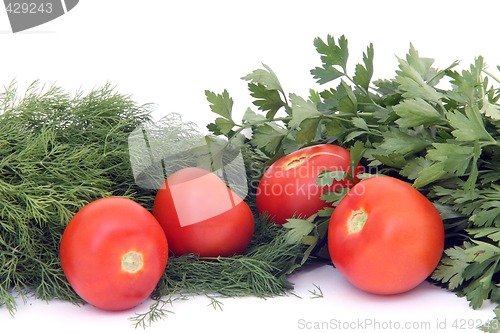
(288, 187)
(113, 253)
(385, 237)
(201, 215)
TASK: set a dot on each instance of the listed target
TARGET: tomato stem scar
(356, 221)
(132, 262)
(300, 160)
(295, 162)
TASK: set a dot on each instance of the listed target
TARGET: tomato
(113, 253)
(201, 215)
(385, 236)
(288, 187)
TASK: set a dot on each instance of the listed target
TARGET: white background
(170, 52)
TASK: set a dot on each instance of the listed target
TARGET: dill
(57, 153)
(262, 271)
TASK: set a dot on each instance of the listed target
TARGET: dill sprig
(262, 271)
(58, 152)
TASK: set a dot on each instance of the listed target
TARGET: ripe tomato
(113, 253)
(385, 237)
(288, 187)
(201, 215)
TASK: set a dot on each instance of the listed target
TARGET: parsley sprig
(438, 129)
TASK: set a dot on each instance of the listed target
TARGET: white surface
(169, 52)
(424, 309)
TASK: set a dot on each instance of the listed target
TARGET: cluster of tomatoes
(384, 236)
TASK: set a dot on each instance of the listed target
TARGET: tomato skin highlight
(395, 246)
(200, 214)
(288, 187)
(113, 253)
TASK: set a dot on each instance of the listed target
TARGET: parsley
(438, 129)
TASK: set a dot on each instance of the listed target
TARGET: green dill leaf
(301, 110)
(221, 104)
(261, 271)
(63, 152)
(416, 112)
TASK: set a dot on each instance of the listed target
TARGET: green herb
(436, 128)
(57, 153)
(261, 271)
(316, 292)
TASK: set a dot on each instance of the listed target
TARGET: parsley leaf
(297, 229)
(452, 266)
(221, 104)
(265, 77)
(301, 110)
(268, 138)
(468, 126)
(415, 112)
(266, 99)
(363, 74)
(333, 56)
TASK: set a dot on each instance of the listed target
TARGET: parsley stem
(491, 75)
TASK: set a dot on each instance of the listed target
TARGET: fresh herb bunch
(262, 271)
(438, 129)
(57, 153)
